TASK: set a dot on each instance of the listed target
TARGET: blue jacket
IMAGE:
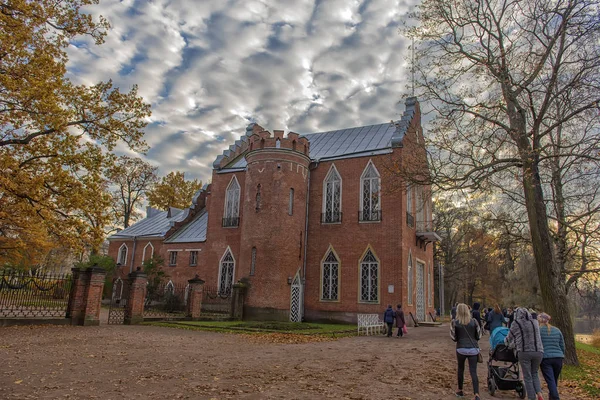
(554, 343)
(494, 320)
(389, 315)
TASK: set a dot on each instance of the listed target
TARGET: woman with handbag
(466, 332)
(524, 337)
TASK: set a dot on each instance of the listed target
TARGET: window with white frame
(231, 217)
(226, 273)
(170, 288)
(369, 278)
(172, 258)
(193, 258)
(410, 279)
(330, 273)
(148, 252)
(122, 259)
(420, 209)
(332, 197)
(370, 183)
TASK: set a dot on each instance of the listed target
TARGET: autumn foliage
(173, 191)
(55, 135)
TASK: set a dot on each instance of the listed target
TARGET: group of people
(535, 341)
(390, 316)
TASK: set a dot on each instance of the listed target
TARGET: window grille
(226, 273)
(253, 262)
(370, 194)
(330, 283)
(172, 258)
(193, 258)
(369, 271)
(410, 280)
(429, 291)
(232, 204)
(332, 199)
(123, 254)
(291, 203)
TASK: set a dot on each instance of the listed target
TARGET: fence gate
(420, 292)
(216, 303)
(23, 295)
(166, 301)
(296, 299)
(118, 302)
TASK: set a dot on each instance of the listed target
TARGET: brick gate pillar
(86, 296)
(194, 304)
(237, 301)
(134, 310)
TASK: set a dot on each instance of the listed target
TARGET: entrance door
(420, 291)
(296, 300)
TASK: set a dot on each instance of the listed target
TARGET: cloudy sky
(210, 67)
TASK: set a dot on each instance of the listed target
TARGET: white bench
(369, 322)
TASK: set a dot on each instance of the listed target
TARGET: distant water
(586, 326)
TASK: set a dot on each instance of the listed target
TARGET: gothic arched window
(226, 271)
(369, 277)
(231, 216)
(332, 197)
(330, 270)
(370, 194)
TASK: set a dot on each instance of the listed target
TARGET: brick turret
(274, 209)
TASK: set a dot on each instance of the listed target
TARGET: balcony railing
(331, 218)
(372, 216)
(231, 222)
(410, 220)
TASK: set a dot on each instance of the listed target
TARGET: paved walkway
(144, 362)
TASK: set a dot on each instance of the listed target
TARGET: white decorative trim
(193, 249)
(175, 250)
(144, 252)
(361, 191)
(120, 257)
(332, 170)
(228, 250)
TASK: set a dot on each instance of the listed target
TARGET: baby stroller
(503, 376)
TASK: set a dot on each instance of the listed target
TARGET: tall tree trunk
(552, 283)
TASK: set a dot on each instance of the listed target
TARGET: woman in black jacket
(466, 332)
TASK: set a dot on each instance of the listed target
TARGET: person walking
(476, 313)
(400, 323)
(388, 317)
(453, 311)
(466, 332)
(554, 353)
(524, 338)
(495, 318)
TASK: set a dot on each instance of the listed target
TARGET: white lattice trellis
(420, 292)
(296, 299)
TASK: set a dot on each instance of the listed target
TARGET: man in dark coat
(477, 315)
(388, 317)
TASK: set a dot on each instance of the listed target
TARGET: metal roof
(193, 231)
(155, 226)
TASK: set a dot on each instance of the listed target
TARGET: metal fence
(166, 301)
(23, 295)
(215, 302)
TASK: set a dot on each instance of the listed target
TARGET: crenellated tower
(273, 228)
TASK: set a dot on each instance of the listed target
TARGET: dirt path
(143, 362)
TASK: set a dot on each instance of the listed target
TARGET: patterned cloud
(210, 67)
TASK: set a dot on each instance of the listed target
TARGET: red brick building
(315, 223)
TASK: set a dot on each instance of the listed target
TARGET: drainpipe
(306, 234)
(133, 254)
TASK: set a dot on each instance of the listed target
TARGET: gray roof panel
(157, 225)
(193, 231)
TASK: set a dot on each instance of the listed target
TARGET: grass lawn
(298, 328)
(585, 379)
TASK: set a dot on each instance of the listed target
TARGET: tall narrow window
(277, 143)
(332, 197)
(369, 275)
(330, 274)
(257, 197)
(122, 259)
(294, 145)
(429, 291)
(148, 252)
(409, 285)
(370, 184)
(410, 218)
(291, 203)
(226, 273)
(172, 258)
(231, 216)
(193, 258)
(420, 209)
(253, 261)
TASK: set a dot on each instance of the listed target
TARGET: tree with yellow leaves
(55, 136)
(173, 191)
